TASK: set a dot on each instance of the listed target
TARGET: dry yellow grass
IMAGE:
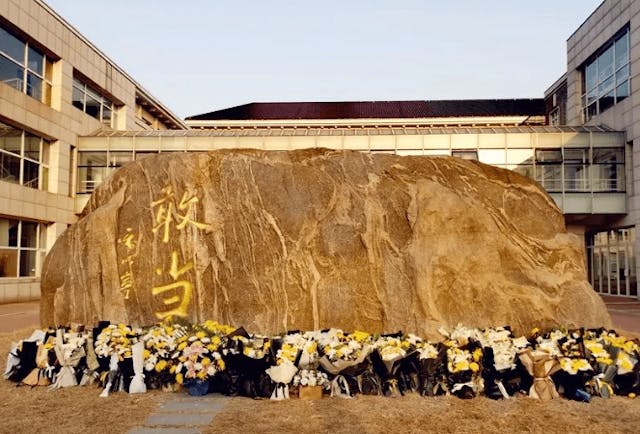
(415, 414)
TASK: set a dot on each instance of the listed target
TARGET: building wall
(599, 28)
(59, 122)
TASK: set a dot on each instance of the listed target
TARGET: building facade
(601, 87)
(54, 87)
(69, 117)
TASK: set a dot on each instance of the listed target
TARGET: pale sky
(196, 56)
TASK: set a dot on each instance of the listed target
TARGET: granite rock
(317, 238)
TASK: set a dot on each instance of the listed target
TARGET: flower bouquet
(115, 342)
(22, 357)
(625, 354)
(601, 361)
(432, 361)
(344, 356)
(575, 370)
(252, 358)
(541, 365)
(463, 366)
(198, 359)
(464, 355)
(501, 369)
(390, 351)
(160, 357)
(46, 363)
(69, 351)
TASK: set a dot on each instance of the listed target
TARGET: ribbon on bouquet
(281, 392)
(340, 387)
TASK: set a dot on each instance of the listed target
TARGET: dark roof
(377, 109)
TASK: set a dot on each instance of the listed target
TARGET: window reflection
(21, 244)
(606, 77)
(24, 67)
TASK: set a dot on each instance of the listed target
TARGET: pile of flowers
(466, 362)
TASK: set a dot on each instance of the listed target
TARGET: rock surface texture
(311, 239)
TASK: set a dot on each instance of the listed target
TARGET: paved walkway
(16, 316)
(183, 414)
(625, 312)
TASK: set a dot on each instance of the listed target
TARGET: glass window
(117, 159)
(23, 158)
(34, 86)
(28, 263)
(622, 91)
(608, 155)
(20, 247)
(550, 176)
(30, 175)
(24, 67)
(92, 103)
(606, 76)
(32, 146)
(92, 158)
(29, 235)
(77, 98)
(465, 155)
(11, 73)
(548, 155)
(35, 61)
(576, 155)
(622, 51)
(92, 107)
(9, 168)
(12, 140)
(605, 64)
(11, 46)
(576, 177)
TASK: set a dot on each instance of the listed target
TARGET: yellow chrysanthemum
(360, 336)
(161, 365)
(220, 364)
(179, 378)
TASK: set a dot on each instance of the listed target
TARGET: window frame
(606, 85)
(39, 249)
(89, 91)
(44, 75)
(41, 161)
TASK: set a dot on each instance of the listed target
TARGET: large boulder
(316, 238)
